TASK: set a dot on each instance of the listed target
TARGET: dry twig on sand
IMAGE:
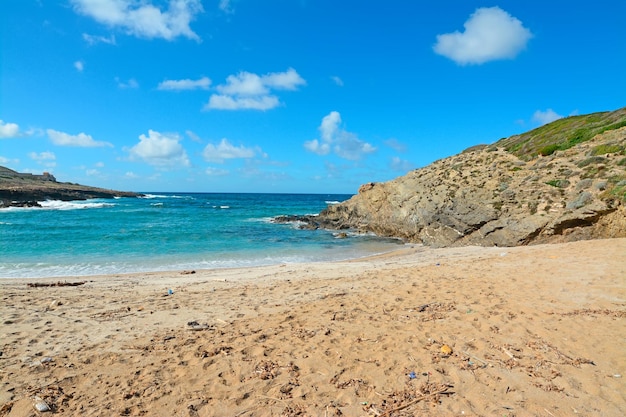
(55, 284)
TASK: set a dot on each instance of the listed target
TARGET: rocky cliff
(561, 182)
(17, 189)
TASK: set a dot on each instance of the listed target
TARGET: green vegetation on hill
(563, 134)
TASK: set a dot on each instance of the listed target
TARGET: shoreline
(533, 330)
(175, 270)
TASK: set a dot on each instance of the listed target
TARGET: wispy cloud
(396, 145)
(7, 161)
(160, 150)
(545, 117)
(79, 65)
(178, 85)
(95, 39)
(47, 159)
(490, 34)
(142, 18)
(334, 138)
(398, 164)
(247, 90)
(130, 84)
(193, 136)
(226, 6)
(216, 172)
(81, 140)
(337, 80)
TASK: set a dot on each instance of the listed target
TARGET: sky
(289, 96)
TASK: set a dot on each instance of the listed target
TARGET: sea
(169, 232)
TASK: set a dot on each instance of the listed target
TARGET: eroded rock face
(488, 196)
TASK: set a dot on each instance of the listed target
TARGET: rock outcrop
(25, 190)
(521, 190)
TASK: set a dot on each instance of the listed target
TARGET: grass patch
(604, 149)
(561, 134)
(558, 183)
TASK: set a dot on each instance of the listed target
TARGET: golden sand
(537, 331)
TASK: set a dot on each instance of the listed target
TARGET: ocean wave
(332, 202)
(61, 205)
(152, 196)
(72, 205)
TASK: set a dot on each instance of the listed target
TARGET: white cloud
(349, 146)
(226, 6)
(288, 80)
(225, 150)
(330, 126)
(247, 90)
(9, 130)
(142, 18)
(7, 161)
(131, 175)
(161, 150)
(244, 84)
(344, 144)
(222, 102)
(401, 165)
(337, 80)
(490, 34)
(545, 117)
(317, 147)
(99, 164)
(132, 83)
(47, 159)
(192, 135)
(395, 144)
(80, 140)
(186, 84)
(216, 172)
(94, 39)
(79, 65)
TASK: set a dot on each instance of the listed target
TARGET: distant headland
(26, 190)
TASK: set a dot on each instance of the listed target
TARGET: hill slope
(563, 181)
(17, 189)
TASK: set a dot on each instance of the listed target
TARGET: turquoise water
(170, 232)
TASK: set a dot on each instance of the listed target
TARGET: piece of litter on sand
(42, 406)
(194, 325)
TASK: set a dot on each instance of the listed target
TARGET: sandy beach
(525, 331)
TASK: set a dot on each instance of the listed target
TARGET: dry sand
(537, 331)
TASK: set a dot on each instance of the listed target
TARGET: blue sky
(289, 95)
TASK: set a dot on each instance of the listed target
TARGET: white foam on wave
(152, 196)
(332, 202)
(72, 205)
